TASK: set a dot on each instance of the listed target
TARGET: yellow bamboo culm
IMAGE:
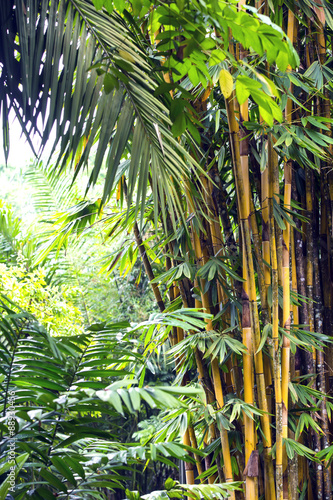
(255, 331)
(268, 360)
(189, 469)
(250, 437)
(189, 436)
(294, 278)
(214, 363)
(286, 313)
(194, 445)
(251, 490)
(266, 255)
(217, 243)
(215, 373)
(285, 362)
(286, 318)
(210, 398)
(265, 231)
(254, 315)
(216, 235)
(273, 172)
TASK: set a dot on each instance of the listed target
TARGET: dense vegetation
(191, 164)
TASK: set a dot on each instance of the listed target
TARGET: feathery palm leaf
(50, 190)
(52, 56)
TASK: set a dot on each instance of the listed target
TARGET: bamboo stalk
(241, 157)
(205, 382)
(194, 444)
(321, 379)
(215, 373)
(286, 314)
(251, 487)
(273, 173)
(172, 296)
(148, 268)
(218, 251)
(208, 463)
(265, 312)
(243, 195)
(189, 436)
(268, 366)
(231, 377)
(189, 469)
(286, 320)
(309, 278)
(257, 245)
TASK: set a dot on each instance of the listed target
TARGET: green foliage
(61, 388)
(207, 491)
(10, 233)
(75, 266)
(145, 89)
(53, 306)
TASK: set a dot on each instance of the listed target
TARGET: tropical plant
(10, 232)
(63, 213)
(64, 401)
(214, 121)
(53, 306)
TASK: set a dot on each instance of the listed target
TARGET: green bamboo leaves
(268, 108)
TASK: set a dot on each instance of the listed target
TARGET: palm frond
(10, 233)
(71, 45)
(50, 189)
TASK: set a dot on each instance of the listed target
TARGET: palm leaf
(71, 44)
(50, 190)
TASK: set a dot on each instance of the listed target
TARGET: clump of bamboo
(243, 195)
(271, 258)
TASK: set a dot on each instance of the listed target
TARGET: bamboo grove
(217, 119)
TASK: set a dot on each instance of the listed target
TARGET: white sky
(21, 155)
(20, 152)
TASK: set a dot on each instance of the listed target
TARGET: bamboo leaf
(226, 83)
(267, 331)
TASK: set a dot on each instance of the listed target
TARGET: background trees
(211, 127)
